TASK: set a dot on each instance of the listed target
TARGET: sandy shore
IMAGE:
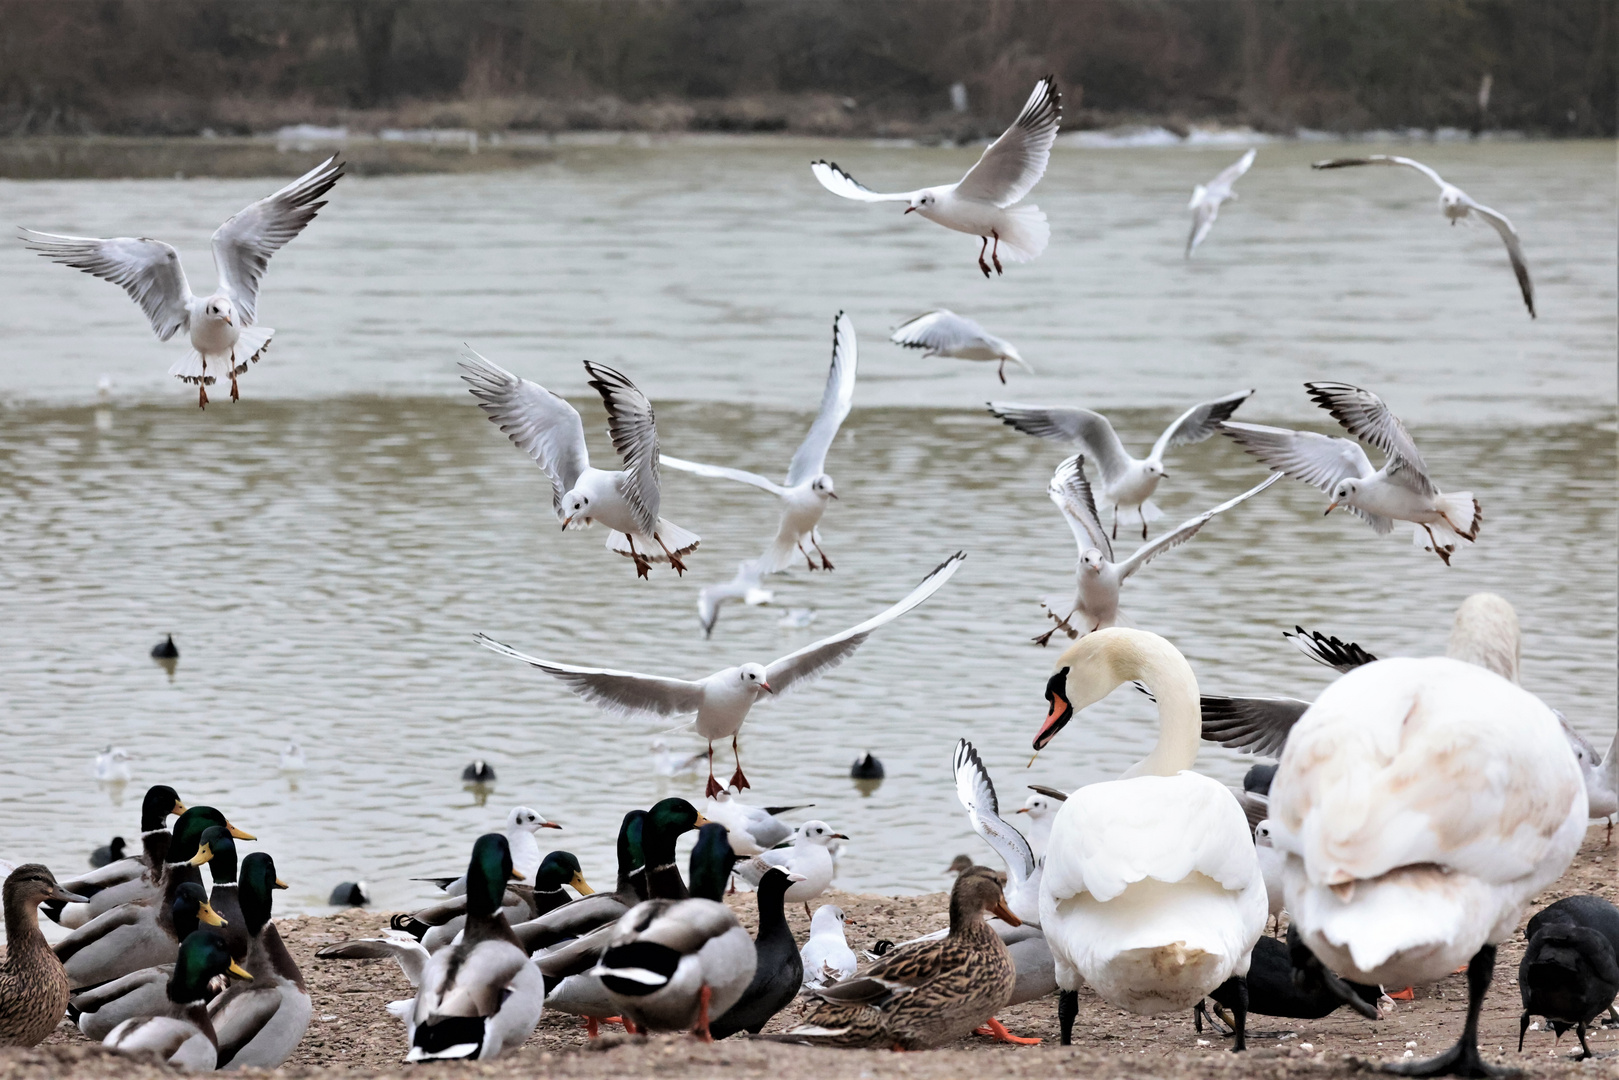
(352, 1035)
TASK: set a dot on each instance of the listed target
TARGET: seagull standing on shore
(224, 339)
(982, 202)
(1205, 204)
(1457, 205)
(944, 333)
(722, 700)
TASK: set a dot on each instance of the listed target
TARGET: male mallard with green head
(182, 1034)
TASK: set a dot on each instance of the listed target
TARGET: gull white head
(1091, 562)
(1038, 806)
(1262, 834)
(529, 820)
(1155, 469)
(575, 507)
(220, 309)
(1345, 492)
(819, 833)
(828, 919)
(822, 486)
(753, 677)
(924, 200)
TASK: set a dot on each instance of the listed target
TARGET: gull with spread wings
(1127, 482)
(1457, 205)
(982, 203)
(1205, 204)
(221, 326)
(1400, 491)
(807, 489)
(944, 333)
(1096, 599)
(549, 430)
(722, 700)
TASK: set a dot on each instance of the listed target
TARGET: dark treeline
(172, 66)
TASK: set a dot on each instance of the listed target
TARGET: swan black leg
(1067, 1009)
(1463, 1059)
(1240, 1012)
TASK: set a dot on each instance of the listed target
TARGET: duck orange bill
(1060, 712)
(238, 833)
(1004, 913)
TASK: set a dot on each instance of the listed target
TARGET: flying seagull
(1205, 204)
(944, 333)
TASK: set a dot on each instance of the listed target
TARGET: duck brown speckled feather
(926, 994)
(33, 986)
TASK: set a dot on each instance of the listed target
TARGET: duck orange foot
(997, 1031)
(1408, 994)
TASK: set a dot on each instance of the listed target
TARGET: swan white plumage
(1421, 804)
(1151, 891)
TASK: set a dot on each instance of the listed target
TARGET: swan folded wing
(1161, 827)
(1401, 763)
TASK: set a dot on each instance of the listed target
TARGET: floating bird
(1399, 491)
(1094, 605)
(1150, 891)
(797, 618)
(479, 772)
(182, 1035)
(33, 986)
(1457, 205)
(982, 202)
(722, 700)
(112, 766)
(747, 586)
(1127, 482)
(1205, 204)
(826, 956)
(221, 327)
(778, 971)
(292, 757)
(944, 333)
(166, 649)
(260, 1023)
(111, 853)
(549, 430)
(807, 488)
(349, 894)
(751, 829)
(1409, 848)
(867, 767)
(1570, 971)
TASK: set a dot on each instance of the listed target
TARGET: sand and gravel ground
(351, 1034)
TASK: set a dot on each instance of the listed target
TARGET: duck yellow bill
(238, 833)
(204, 853)
(236, 969)
(580, 885)
(179, 808)
(208, 916)
(518, 874)
(700, 822)
(281, 884)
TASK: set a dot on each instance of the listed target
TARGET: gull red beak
(566, 522)
(833, 495)
(766, 687)
(229, 320)
(908, 209)
(1333, 505)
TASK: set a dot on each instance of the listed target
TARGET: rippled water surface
(324, 550)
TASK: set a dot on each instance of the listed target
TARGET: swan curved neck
(1169, 677)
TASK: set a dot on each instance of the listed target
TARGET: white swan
(1421, 803)
(1150, 890)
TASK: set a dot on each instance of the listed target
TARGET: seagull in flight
(1127, 482)
(944, 333)
(1096, 599)
(1457, 205)
(747, 586)
(549, 430)
(1205, 204)
(807, 489)
(1400, 491)
(982, 202)
(722, 700)
(221, 326)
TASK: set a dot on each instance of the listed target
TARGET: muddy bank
(352, 1035)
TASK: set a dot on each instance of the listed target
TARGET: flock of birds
(1413, 811)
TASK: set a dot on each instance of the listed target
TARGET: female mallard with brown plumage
(927, 994)
(33, 986)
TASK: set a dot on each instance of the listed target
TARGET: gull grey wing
(1381, 159)
(1199, 422)
(1016, 161)
(1187, 529)
(623, 693)
(721, 472)
(941, 331)
(1319, 460)
(411, 955)
(1343, 656)
(809, 460)
(839, 182)
(244, 244)
(1091, 430)
(539, 423)
(1231, 173)
(635, 436)
(1203, 217)
(1365, 416)
(148, 270)
(814, 660)
(1072, 493)
(1256, 726)
(1509, 237)
(977, 794)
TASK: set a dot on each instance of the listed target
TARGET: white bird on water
(224, 339)
(1096, 597)
(747, 586)
(1457, 205)
(982, 203)
(549, 430)
(1205, 204)
(1127, 482)
(722, 700)
(807, 489)
(944, 333)
(1400, 491)
(112, 766)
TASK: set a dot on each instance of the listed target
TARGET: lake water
(324, 550)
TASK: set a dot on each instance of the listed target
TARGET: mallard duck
(664, 824)
(260, 1023)
(520, 904)
(218, 850)
(33, 986)
(671, 965)
(778, 971)
(482, 996)
(143, 992)
(142, 870)
(140, 934)
(929, 993)
(182, 1034)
